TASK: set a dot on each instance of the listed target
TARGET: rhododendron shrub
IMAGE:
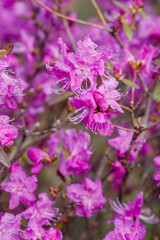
(79, 120)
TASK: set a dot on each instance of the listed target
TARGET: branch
(146, 93)
(152, 125)
(126, 129)
(69, 18)
(100, 14)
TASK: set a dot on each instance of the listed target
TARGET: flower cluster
(94, 101)
(100, 74)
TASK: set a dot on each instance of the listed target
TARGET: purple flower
(8, 132)
(156, 161)
(122, 143)
(127, 229)
(94, 106)
(88, 196)
(53, 143)
(41, 211)
(53, 234)
(74, 69)
(20, 186)
(37, 156)
(76, 155)
(156, 176)
(10, 226)
(133, 210)
(116, 175)
(34, 231)
(9, 86)
(127, 220)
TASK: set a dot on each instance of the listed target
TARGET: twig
(124, 107)
(146, 93)
(152, 125)
(68, 6)
(69, 34)
(69, 18)
(126, 129)
(133, 90)
(142, 82)
(100, 14)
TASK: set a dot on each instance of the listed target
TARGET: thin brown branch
(142, 82)
(126, 108)
(147, 92)
(69, 34)
(152, 125)
(100, 14)
(69, 18)
(126, 129)
(68, 6)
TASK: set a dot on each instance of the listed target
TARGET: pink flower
(8, 131)
(53, 234)
(88, 196)
(116, 175)
(133, 210)
(10, 226)
(156, 176)
(93, 105)
(74, 69)
(34, 231)
(122, 143)
(41, 211)
(127, 229)
(37, 156)
(76, 155)
(127, 220)
(20, 186)
(9, 86)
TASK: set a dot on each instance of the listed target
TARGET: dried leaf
(129, 83)
(6, 51)
(4, 158)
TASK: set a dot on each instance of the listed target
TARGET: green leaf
(142, 13)
(127, 30)
(121, 5)
(156, 94)
(154, 117)
(129, 83)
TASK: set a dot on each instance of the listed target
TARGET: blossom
(156, 176)
(20, 186)
(10, 226)
(53, 234)
(127, 229)
(88, 196)
(122, 143)
(133, 209)
(41, 212)
(8, 131)
(127, 220)
(74, 69)
(37, 156)
(33, 231)
(94, 107)
(116, 175)
(75, 155)
(9, 86)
